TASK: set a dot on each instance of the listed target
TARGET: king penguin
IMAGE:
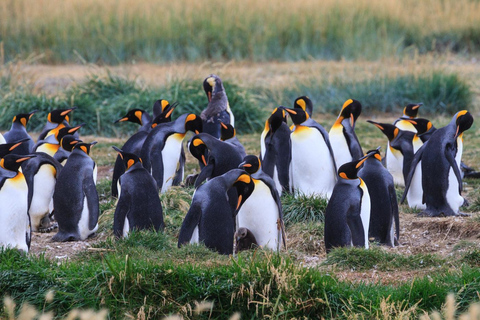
(313, 169)
(210, 219)
(276, 149)
(138, 206)
(344, 141)
(262, 212)
(441, 178)
(162, 149)
(218, 109)
(15, 231)
(75, 198)
(384, 224)
(18, 132)
(347, 216)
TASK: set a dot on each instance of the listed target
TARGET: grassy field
(146, 276)
(119, 31)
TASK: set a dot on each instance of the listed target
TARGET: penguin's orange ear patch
(84, 149)
(138, 114)
(378, 157)
(348, 102)
(24, 121)
(130, 163)
(191, 117)
(302, 104)
(164, 104)
(197, 142)
(343, 175)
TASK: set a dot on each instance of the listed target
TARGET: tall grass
(114, 31)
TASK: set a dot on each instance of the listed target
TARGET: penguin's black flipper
(121, 211)
(206, 172)
(450, 151)
(356, 228)
(189, 224)
(352, 141)
(157, 166)
(118, 170)
(91, 194)
(179, 172)
(416, 159)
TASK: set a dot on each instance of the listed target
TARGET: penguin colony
(50, 185)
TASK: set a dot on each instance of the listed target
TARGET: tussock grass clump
(115, 31)
(377, 258)
(303, 208)
(439, 91)
(101, 101)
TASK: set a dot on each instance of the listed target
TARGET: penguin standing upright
(161, 151)
(312, 168)
(384, 224)
(41, 175)
(218, 108)
(344, 141)
(210, 218)
(276, 149)
(15, 231)
(58, 118)
(262, 212)
(347, 216)
(305, 104)
(75, 198)
(441, 178)
(138, 205)
(18, 132)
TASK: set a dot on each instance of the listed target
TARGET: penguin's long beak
(64, 113)
(121, 120)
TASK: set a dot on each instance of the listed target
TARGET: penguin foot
(465, 203)
(462, 214)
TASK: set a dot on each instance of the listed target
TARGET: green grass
(127, 31)
(303, 208)
(100, 101)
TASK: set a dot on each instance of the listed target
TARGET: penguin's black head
(277, 117)
(68, 142)
(349, 170)
(298, 115)
(165, 115)
(59, 134)
(193, 123)
(6, 148)
(160, 105)
(13, 161)
(250, 163)
(375, 153)
(199, 150)
(129, 159)
(351, 109)
(304, 103)
(211, 85)
(227, 131)
(23, 118)
(464, 121)
(134, 115)
(421, 125)
(388, 129)
(245, 186)
(411, 110)
(58, 115)
(85, 147)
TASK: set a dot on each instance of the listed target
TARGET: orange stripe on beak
(239, 201)
(203, 159)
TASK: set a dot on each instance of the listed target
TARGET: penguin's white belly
(14, 222)
(2, 139)
(313, 171)
(365, 211)
(230, 113)
(339, 146)
(262, 144)
(95, 174)
(43, 188)
(195, 237)
(454, 199)
(417, 143)
(394, 162)
(83, 229)
(415, 192)
(259, 214)
(126, 228)
(278, 185)
(170, 156)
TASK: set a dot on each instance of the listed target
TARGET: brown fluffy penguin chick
(244, 240)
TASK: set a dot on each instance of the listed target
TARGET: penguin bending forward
(210, 219)
(347, 216)
(15, 231)
(384, 224)
(75, 198)
(138, 205)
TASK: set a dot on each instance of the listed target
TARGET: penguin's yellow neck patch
(48, 148)
(19, 178)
